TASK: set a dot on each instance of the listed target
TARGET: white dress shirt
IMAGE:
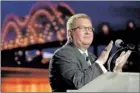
(97, 61)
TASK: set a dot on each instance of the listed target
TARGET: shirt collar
(83, 51)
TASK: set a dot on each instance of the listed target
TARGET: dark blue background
(115, 12)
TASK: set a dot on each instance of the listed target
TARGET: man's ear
(70, 34)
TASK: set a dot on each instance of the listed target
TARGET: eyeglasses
(83, 28)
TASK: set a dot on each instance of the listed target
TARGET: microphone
(120, 44)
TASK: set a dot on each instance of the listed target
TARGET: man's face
(82, 33)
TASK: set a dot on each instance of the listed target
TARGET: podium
(113, 82)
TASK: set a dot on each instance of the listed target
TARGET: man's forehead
(83, 22)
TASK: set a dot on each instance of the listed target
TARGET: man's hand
(121, 60)
(104, 55)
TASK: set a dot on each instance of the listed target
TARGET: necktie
(86, 58)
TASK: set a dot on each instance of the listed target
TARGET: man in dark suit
(72, 66)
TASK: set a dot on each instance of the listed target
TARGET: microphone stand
(112, 56)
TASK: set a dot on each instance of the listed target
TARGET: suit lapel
(78, 55)
(92, 57)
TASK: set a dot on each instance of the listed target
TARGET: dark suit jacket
(69, 70)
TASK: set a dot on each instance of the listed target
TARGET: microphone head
(119, 43)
